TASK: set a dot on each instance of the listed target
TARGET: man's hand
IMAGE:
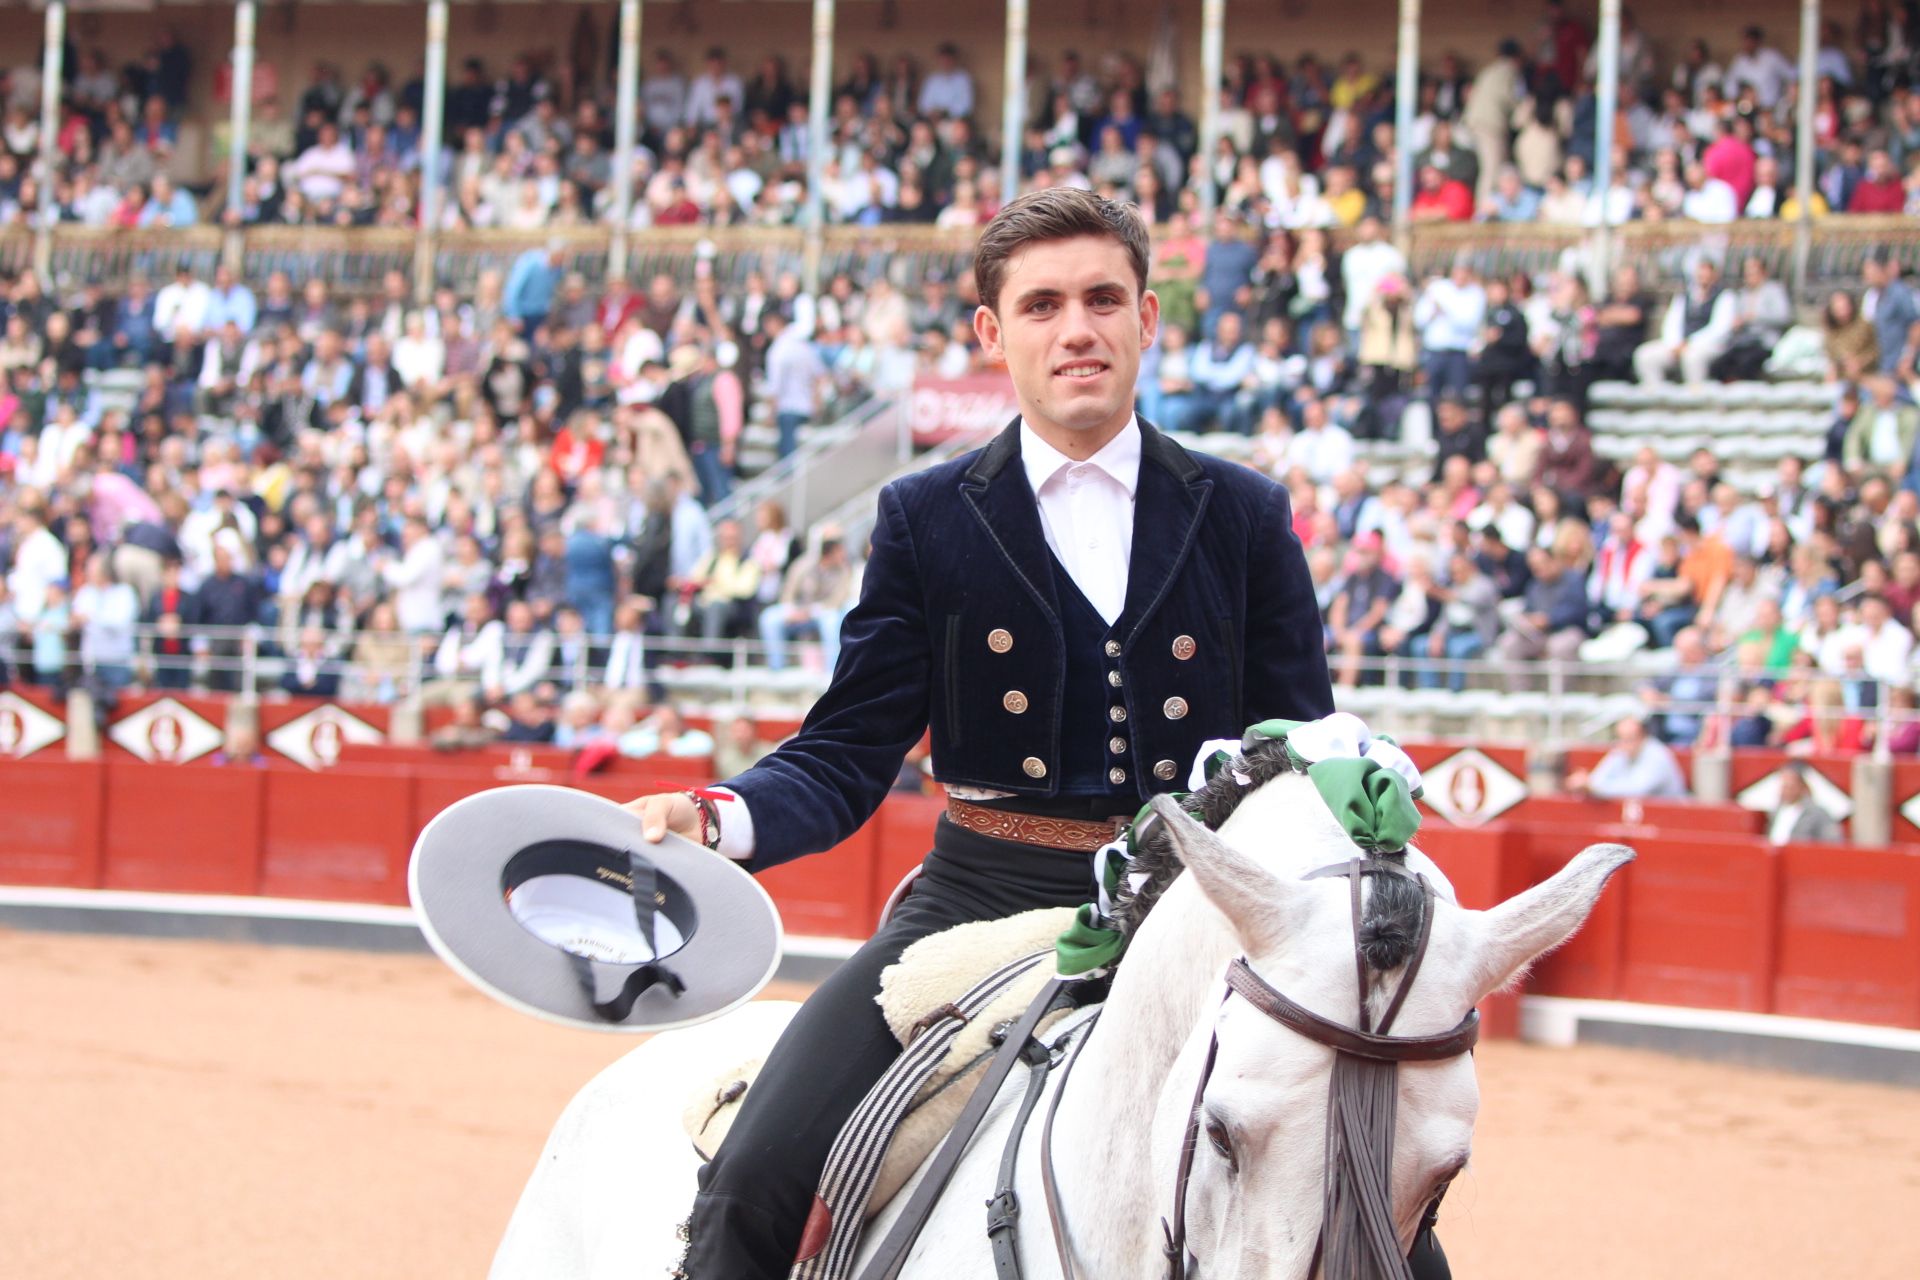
(670, 811)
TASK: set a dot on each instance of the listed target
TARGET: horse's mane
(1390, 926)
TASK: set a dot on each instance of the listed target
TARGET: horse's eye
(1222, 1143)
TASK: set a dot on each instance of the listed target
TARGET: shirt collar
(1119, 457)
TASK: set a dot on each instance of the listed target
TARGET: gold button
(1116, 776)
(1175, 708)
(1015, 701)
(1117, 714)
(1113, 648)
(1113, 678)
(999, 639)
(1165, 770)
(1117, 745)
(1035, 767)
(1184, 647)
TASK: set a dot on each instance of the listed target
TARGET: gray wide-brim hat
(549, 900)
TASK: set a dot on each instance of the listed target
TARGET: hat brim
(455, 880)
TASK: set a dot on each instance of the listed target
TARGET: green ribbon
(1373, 804)
(1089, 943)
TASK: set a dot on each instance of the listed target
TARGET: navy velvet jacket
(958, 611)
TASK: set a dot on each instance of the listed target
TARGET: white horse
(617, 1175)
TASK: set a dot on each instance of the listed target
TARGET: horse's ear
(1528, 925)
(1253, 899)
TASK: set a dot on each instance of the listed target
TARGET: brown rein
(1356, 1220)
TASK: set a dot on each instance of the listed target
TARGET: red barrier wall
(188, 828)
(1700, 924)
(1708, 916)
(1849, 938)
(1588, 966)
(1906, 786)
(1475, 863)
(344, 834)
(51, 827)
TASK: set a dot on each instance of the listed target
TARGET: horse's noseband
(1356, 1227)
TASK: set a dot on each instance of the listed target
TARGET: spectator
(1698, 325)
(1888, 305)
(795, 377)
(1450, 314)
(818, 591)
(1218, 370)
(1883, 433)
(739, 747)
(1550, 620)
(105, 613)
(1359, 609)
(1797, 817)
(1762, 313)
(725, 584)
(666, 733)
(1636, 767)
(311, 669)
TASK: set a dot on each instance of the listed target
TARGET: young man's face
(1071, 325)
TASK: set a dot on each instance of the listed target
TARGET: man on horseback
(1072, 610)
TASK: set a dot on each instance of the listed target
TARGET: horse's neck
(1171, 981)
(1103, 1148)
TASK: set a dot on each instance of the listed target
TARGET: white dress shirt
(1086, 513)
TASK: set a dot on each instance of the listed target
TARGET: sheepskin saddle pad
(935, 971)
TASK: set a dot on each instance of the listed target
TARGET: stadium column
(51, 70)
(1406, 100)
(1213, 28)
(1013, 101)
(1803, 141)
(626, 118)
(819, 107)
(433, 128)
(1606, 110)
(239, 123)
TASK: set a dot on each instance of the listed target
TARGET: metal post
(1803, 142)
(432, 146)
(626, 110)
(240, 110)
(819, 109)
(50, 72)
(1406, 100)
(1606, 107)
(1013, 101)
(1213, 27)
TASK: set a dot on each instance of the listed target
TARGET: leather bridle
(1357, 1236)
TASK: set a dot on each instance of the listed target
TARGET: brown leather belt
(1079, 835)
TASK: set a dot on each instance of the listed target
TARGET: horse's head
(1255, 1195)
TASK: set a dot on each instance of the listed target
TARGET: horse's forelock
(1390, 924)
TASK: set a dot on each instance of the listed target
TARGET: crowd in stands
(1704, 133)
(502, 502)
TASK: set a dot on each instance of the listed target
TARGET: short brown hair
(1055, 213)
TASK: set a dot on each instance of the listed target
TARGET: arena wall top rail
(354, 260)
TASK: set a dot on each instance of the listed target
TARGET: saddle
(930, 976)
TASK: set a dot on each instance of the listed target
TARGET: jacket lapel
(1168, 504)
(996, 491)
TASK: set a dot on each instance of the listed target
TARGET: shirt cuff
(736, 825)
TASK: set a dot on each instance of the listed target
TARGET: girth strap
(891, 1256)
(1003, 1211)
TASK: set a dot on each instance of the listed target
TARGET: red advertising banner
(977, 405)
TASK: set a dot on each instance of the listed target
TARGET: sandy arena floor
(201, 1110)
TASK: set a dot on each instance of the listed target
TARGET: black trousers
(756, 1192)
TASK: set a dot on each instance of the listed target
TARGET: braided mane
(1391, 923)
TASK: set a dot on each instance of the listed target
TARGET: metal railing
(835, 464)
(1549, 703)
(354, 260)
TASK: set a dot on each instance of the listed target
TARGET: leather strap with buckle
(1079, 835)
